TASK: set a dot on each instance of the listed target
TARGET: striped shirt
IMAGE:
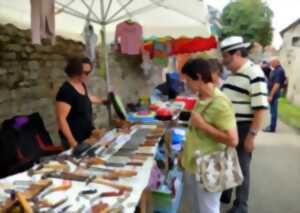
(247, 90)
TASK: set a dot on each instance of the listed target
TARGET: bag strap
(210, 103)
(204, 108)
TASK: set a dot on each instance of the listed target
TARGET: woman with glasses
(74, 104)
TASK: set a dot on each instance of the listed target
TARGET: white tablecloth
(138, 183)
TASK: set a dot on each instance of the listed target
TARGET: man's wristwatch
(253, 132)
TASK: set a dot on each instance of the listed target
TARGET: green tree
(251, 19)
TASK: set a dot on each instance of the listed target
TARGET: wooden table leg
(143, 202)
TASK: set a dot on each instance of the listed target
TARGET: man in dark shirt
(171, 88)
(265, 66)
(275, 84)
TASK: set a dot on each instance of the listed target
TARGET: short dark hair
(243, 50)
(215, 66)
(74, 66)
(87, 61)
(198, 66)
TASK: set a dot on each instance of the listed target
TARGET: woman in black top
(74, 104)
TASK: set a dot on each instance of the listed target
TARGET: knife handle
(65, 186)
(113, 185)
(125, 173)
(111, 194)
(24, 203)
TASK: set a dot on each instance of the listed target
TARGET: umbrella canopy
(158, 17)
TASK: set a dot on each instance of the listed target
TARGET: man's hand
(73, 144)
(106, 102)
(197, 120)
(249, 143)
(270, 98)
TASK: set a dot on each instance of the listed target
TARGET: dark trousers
(65, 143)
(242, 191)
(274, 112)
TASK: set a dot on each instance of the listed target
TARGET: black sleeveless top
(80, 115)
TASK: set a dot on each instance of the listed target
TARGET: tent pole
(105, 58)
(106, 68)
(120, 10)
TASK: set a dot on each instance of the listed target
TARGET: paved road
(275, 174)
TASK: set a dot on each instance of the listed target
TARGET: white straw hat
(233, 43)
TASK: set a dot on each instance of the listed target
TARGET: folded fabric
(186, 45)
(181, 45)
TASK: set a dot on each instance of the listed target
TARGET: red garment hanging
(187, 45)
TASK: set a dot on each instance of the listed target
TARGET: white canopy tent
(158, 17)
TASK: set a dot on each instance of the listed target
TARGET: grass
(289, 113)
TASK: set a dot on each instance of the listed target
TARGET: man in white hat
(247, 89)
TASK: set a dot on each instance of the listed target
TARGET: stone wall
(30, 76)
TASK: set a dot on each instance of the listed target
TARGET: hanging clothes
(180, 62)
(192, 45)
(130, 37)
(91, 40)
(42, 20)
(184, 45)
(147, 64)
(161, 51)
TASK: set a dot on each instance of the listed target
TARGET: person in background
(212, 127)
(265, 66)
(216, 72)
(246, 87)
(169, 89)
(276, 83)
(74, 104)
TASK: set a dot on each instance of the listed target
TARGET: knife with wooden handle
(24, 203)
(112, 184)
(82, 178)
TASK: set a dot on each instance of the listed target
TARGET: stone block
(61, 64)
(24, 55)
(57, 73)
(34, 75)
(14, 68)
(4, 95)
(4, 39)
(28, 49)
(36, 56)
(34, 65)
(5, 110)
(9, 56)
(13, 94)
(44, 49)
(3, 71)
(13, 81)
(14, 47)
(3, 82)
(11, 30)
(56, 57)
(24, 84)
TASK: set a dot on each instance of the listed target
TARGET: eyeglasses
(86, 73)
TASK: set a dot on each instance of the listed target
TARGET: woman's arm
(228, 137)
(95, 99)
(62, 111)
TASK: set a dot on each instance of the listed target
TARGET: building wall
(290, 59)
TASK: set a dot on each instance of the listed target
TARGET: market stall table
(75, 198)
